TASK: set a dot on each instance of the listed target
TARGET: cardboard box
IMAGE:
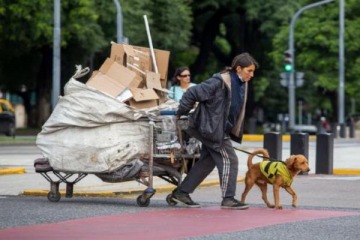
(162, 61)
(139, 60)
(113, 78)
(135, 61)
(129, 71)
(118, 72)
(105, 84)
(153, 81)
(93, 74)
(137, 83)
(143, 98)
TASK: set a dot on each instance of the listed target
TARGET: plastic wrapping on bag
(166, 133)
(193, 146)
(127, 172)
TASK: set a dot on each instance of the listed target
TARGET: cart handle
(168, 112)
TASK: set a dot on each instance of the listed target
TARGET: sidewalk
(19, 170)
(15, 182)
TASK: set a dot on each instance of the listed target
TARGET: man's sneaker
(232, 203)
(184, 198)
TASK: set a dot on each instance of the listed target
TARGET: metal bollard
(334, 129)
(351, 130)
(252, 126)
(319, 127)
(342, 130)
(324, 153)
(273, 143)
(299, 144)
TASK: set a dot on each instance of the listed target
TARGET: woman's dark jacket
(208, 122)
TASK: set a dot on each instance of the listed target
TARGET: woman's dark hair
(242, 60)
(177, 73)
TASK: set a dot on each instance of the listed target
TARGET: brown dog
(277, 173)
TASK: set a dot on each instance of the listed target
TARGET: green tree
(87, 28)
(317, 54)
(26, 44)
(223, 29)
(170, 24)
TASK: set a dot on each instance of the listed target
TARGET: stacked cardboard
(128, 75)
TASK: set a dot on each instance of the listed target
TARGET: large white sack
(89, 131)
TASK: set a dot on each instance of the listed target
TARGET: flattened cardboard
(106, 65)
(118, 72)
(143, 98)
(105, 84)
(137, 83)
(118, 54)
(143, 104)
(93, 74)
(161, 58)
(137, 61)
(153, 81)
(143, 94)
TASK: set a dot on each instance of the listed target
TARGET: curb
(121, 194)
(346, 171)
(4, 171)
(260, 137)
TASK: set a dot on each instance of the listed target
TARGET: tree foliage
(203, 34)
(87, 28)
(317, 55)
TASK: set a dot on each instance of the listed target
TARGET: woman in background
(181, 81)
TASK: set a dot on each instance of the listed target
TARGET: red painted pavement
(167, 224)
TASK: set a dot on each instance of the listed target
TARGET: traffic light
(288, 64)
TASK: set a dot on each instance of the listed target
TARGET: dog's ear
(290, 162)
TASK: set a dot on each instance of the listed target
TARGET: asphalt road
(329, 208)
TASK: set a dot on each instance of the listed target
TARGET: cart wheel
(141, 203)
(54, 197)
(170, 201)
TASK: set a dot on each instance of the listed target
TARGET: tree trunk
(43, 88)
(208, 36)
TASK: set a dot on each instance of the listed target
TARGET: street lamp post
(341, 113)
(119, 24)
(291, 86)
(56, 55)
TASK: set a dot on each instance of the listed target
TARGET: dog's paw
(294, 205)
(279, 207)
(270, 206)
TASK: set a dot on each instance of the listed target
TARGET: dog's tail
(262, 151)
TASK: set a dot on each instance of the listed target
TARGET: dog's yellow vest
(271, 169)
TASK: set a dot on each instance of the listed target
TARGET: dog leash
(260, 156)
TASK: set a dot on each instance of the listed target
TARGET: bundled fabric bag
(91, 132)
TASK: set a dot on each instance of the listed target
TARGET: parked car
(7, 118)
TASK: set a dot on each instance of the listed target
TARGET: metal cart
(171, 154)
